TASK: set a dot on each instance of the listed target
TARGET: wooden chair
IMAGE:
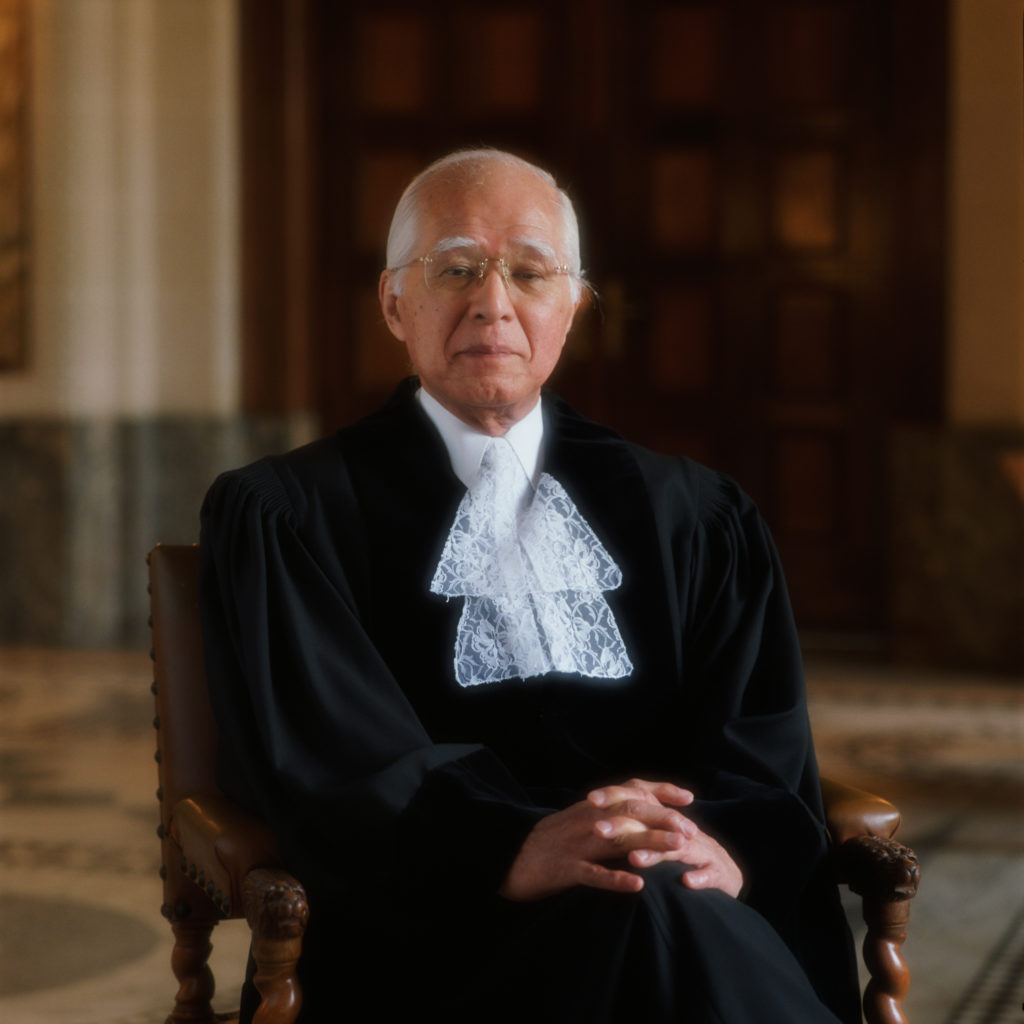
(220, 862)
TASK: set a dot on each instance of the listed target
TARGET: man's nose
(490, 298)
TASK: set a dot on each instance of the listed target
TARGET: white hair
(468, 167)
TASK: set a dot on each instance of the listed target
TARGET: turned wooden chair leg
(192, 949)
(890, 976)
(886, 875)
(277, 912)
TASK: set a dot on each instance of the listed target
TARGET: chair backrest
(186, 728)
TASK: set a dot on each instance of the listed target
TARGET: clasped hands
(637, 820)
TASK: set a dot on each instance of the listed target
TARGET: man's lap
(665, 955)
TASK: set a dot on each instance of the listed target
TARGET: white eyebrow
(536, 244)
(525, 242)
(458, 242)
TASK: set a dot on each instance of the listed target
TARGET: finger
(629, 832)
(718, 873)
(625, 841)
(647, 857)
(663, 792)
(693, 852)
(598, 877)
(699, 855)
(608, 795)
(633, 816)
(697, 879)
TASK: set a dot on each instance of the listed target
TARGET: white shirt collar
(466, 445)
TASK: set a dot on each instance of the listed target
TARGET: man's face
(484, 352)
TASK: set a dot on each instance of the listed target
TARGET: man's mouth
(487, 351)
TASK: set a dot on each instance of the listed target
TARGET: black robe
(401, 798)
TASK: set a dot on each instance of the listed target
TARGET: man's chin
(490, 400)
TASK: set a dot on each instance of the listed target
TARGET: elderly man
(522, 701)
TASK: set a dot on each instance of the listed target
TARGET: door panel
(738, 173)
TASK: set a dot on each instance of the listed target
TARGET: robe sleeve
(316, 735)
(744, 685)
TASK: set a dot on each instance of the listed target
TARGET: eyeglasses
(526, 272)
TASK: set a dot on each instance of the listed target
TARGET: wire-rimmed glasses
(526, 271)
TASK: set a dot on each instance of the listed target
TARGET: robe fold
(401, 798)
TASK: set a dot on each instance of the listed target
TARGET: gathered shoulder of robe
(401, 798)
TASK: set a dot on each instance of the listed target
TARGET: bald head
(467, 170)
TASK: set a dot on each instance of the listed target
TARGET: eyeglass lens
(524, 271)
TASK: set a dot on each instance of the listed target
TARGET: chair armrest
(234, 858)
(851, 812)
(220, 845)
(886, 875)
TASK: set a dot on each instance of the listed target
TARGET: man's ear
(389, 304)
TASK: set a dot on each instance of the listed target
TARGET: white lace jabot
(532, 572)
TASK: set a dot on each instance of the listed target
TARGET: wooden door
(747, 270)
(403, 84)
(739, 168)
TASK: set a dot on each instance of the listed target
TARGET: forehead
(494, 209)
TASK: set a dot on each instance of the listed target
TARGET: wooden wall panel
(394, 68)
(681, 342)
(380, 358)
(686, 67)
(682, 198)
(808, 52)
(501, 68)
(806, 205)
(807, 357)
(380, 178)
(807, 471)
(280, 188)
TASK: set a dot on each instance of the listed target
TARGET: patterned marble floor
(82, 940)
